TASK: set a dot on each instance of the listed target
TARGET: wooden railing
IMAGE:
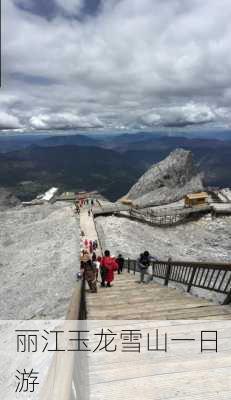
(67, 377)
(209, 276)
(168, 216)
(165, 217)
(157, 219)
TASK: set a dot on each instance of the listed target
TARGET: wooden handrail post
(191, 279)
(83, 305)
(228, 298)
(168, 272)
(153, 268)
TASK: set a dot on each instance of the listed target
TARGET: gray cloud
(135, 63)
(190, 114)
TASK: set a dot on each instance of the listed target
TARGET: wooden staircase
(127, 299)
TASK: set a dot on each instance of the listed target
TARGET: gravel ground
(39, 249)
(202, 240)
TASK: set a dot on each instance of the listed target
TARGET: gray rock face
(167, 181)
(7, 199)
(39, 247)
(203, 240)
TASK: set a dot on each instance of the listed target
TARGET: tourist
(96, 261)
(89, 213)
(91, 247)
(89, 271)
(144, 262)
(108, 266)
(120, 262)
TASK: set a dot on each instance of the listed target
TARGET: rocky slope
(7, 199)
(202, 240)
(39, 250)
(167, 181)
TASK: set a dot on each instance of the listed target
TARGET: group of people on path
(91, 266)
(91, 245)
(81, 203)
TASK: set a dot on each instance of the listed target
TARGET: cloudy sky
(116, 64)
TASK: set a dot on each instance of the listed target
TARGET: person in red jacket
(108, 266)
(91, 246)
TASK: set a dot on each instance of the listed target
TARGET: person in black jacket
(120, 262)
(144, 262)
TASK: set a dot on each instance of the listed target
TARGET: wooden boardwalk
(182, 373)
(87, 225)
(127, 299)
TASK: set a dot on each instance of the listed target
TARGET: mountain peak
(167, 181)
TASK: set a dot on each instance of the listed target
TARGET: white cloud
(190, 114)
(64, 121)
(9, 121)
(160, 62)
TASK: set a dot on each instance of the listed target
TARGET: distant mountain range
(119, 142)
(35, 169)
(111, 164)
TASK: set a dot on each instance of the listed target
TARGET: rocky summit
(167, 181)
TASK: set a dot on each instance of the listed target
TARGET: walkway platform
(182, 373)
(87, 225)
(127, 299)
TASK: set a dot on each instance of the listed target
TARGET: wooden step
(127, 299)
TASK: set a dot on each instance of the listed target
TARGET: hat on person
(85, 257)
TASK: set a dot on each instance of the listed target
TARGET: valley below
(30, 165)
